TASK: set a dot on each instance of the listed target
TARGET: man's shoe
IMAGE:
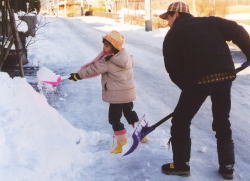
(227, 172)
(174, 169)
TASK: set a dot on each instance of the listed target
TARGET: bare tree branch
(40, 24)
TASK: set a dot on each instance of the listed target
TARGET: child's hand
(74, 77)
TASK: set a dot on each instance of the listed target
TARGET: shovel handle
(65, 77)
(163, 120)
(171, 114)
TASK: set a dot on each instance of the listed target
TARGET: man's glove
(74, 77)
(243, 66)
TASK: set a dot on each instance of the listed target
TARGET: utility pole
(82, 8)
(148, 15)
(65, 8)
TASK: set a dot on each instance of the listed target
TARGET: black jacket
(196, 46)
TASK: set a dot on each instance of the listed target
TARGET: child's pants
(115, 114)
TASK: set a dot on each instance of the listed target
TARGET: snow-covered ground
(69, 139)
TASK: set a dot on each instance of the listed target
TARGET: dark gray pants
(189, 103)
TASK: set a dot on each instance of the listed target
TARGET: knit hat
(178, 6)
(115, 38)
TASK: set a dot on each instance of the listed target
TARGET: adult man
(199, 62)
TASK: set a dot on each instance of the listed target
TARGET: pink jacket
(117, 76)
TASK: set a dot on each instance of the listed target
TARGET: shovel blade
(54, 83)
(136, 142)
(140, 132)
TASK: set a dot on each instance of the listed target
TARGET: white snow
(45, 74)
(69, 139)
(22, 13)
(203, 149)
(127, 11)
(36, 143)
(21, 25)
(238, 16)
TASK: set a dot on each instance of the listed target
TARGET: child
(116, 68)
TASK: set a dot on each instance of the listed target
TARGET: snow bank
(36, 142)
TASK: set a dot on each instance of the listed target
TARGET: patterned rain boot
(144, 140)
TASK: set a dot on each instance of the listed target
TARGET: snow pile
(45, 74)
(22, 13)
(21, 25)
(36, 142)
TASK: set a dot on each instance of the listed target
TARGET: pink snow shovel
(58, 81)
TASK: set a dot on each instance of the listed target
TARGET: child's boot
(144, 140)
(121, 140)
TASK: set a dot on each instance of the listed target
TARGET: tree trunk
(17, 41)
(5, 53)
